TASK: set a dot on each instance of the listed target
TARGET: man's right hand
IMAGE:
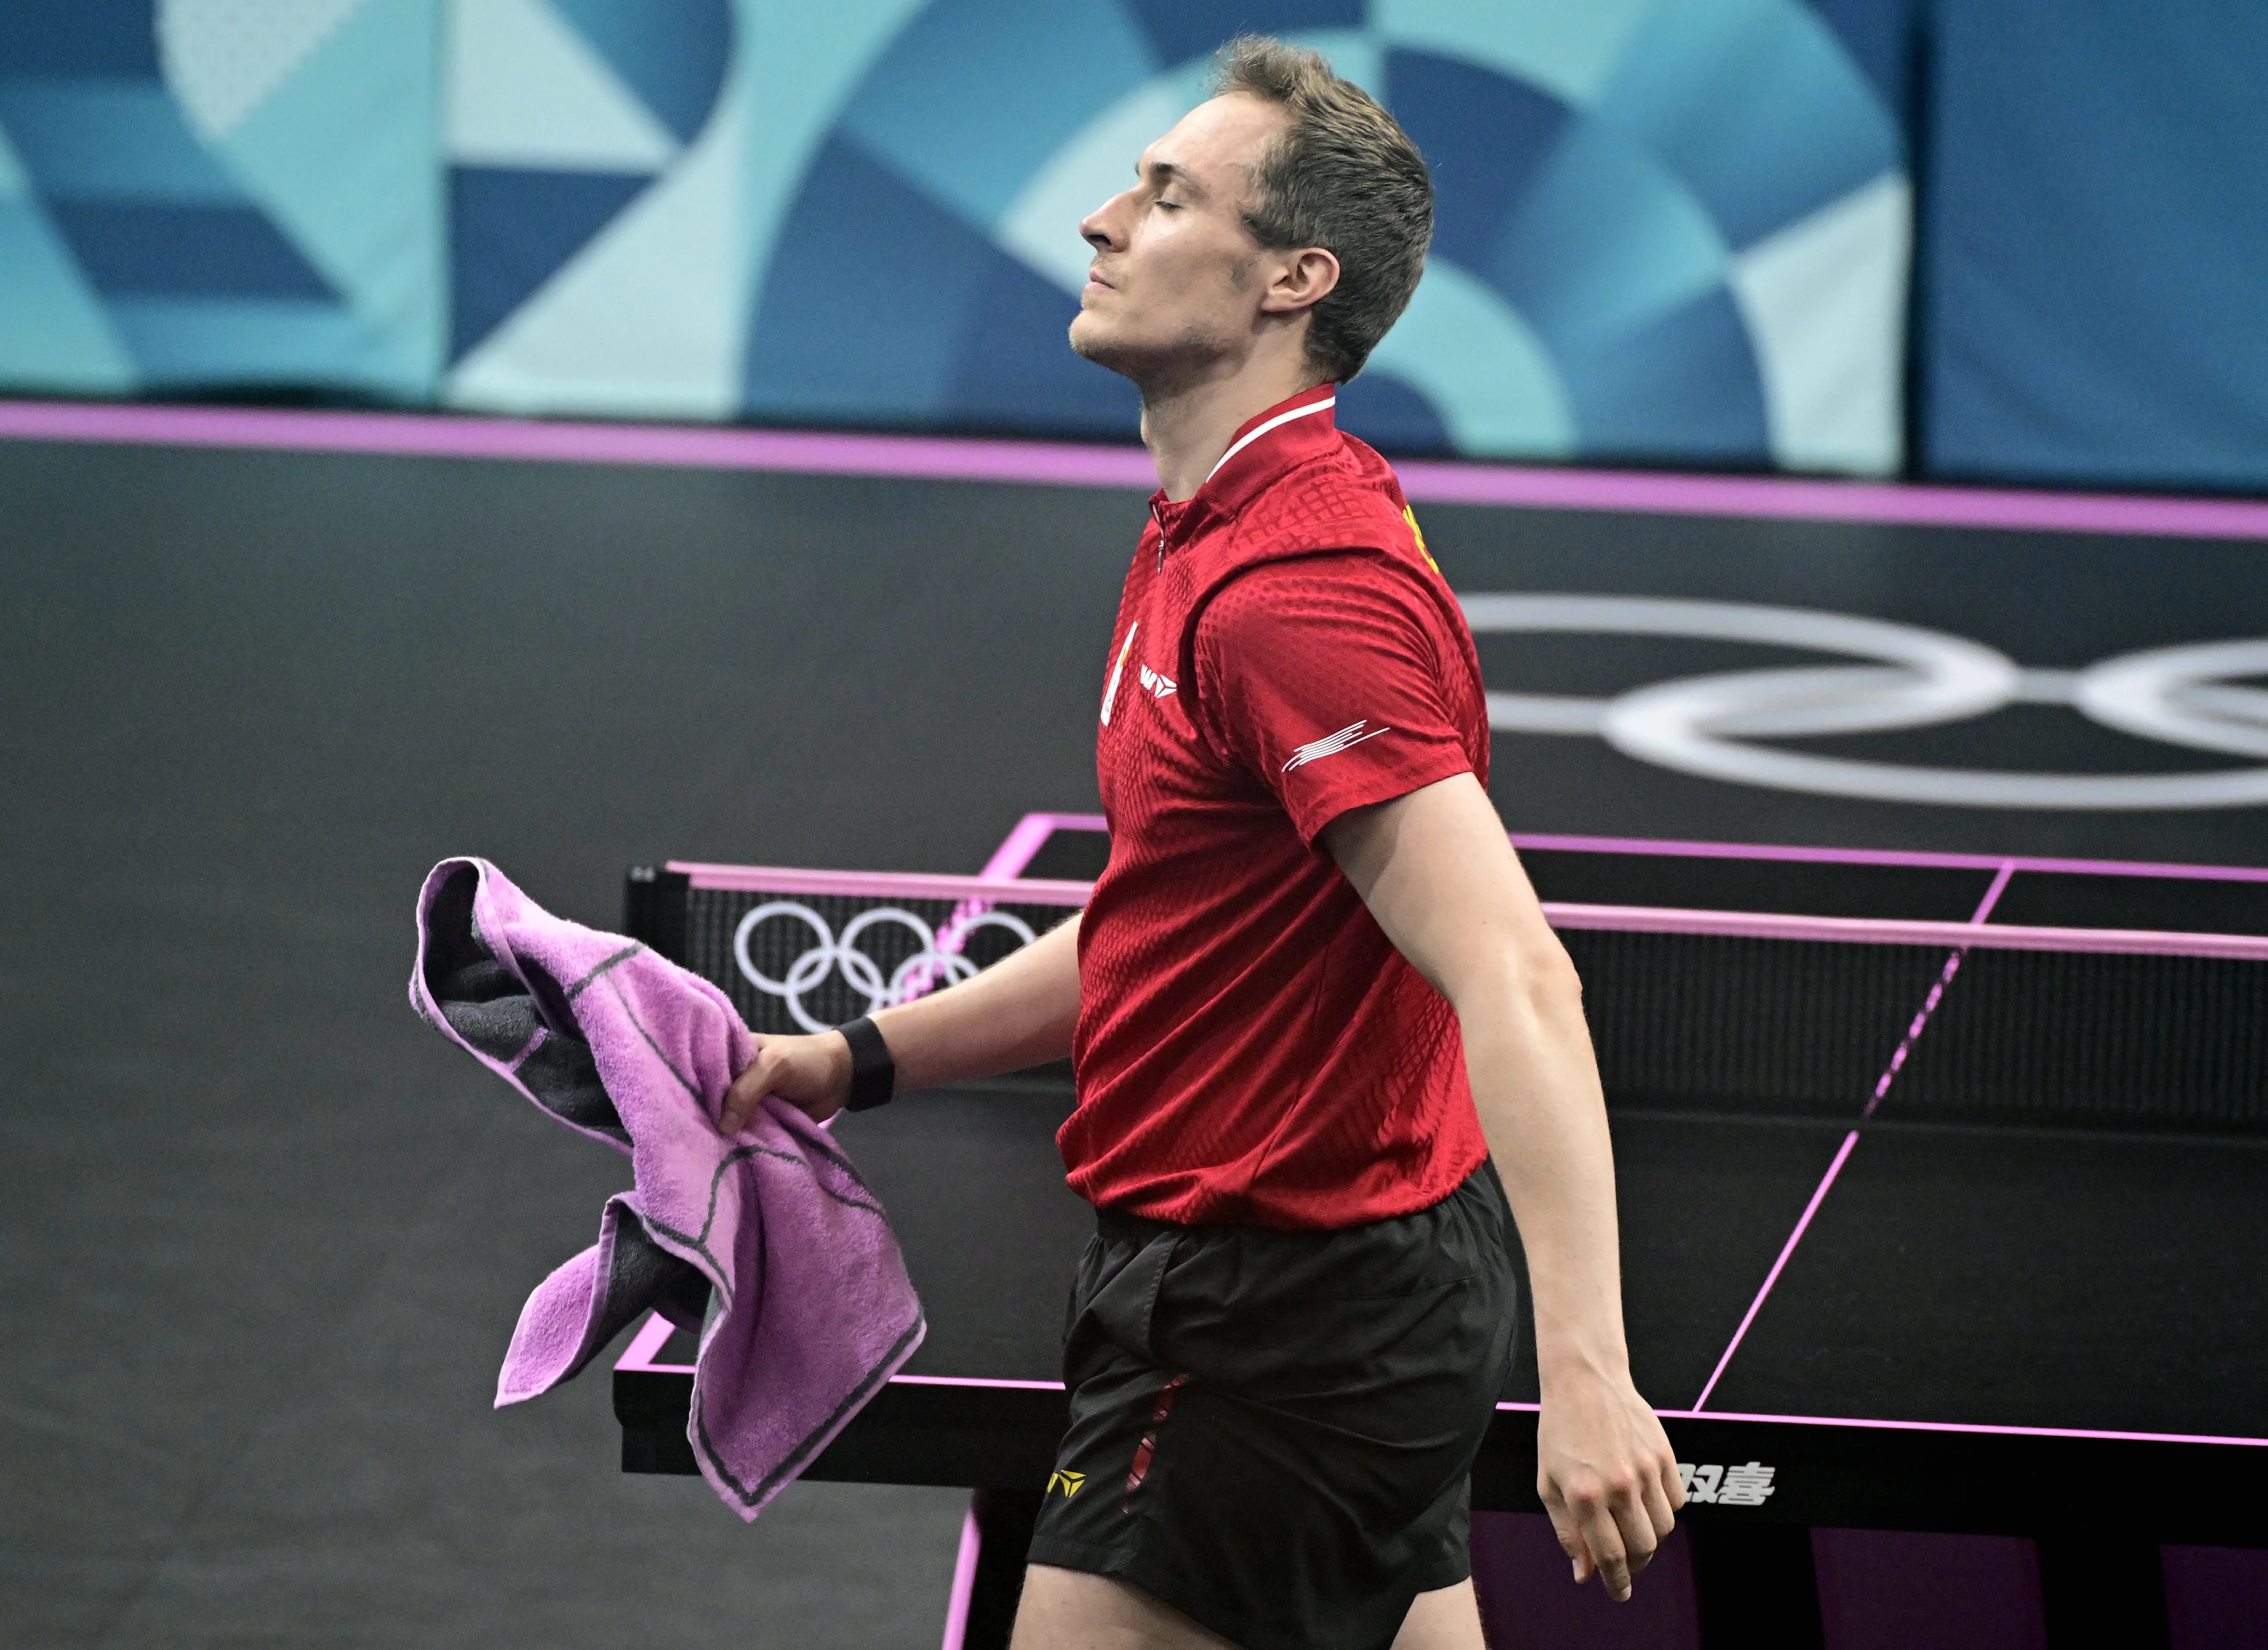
(1020, 1012)
(812, 1073)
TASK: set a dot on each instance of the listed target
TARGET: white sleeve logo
(1332, 744)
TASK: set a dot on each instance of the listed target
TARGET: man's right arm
(1019, 1013)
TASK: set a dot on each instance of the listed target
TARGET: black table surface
(1987, 1329)
(1954, 1278)
(2006, 1277)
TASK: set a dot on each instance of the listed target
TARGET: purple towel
(767, 1243)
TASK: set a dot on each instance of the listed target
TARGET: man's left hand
(1607, 1477)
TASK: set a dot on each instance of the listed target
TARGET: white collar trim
(1254, 434)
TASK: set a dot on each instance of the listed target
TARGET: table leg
(2102, 1588)
(1754, 1585)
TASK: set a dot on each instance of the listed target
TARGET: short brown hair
(1345, 177)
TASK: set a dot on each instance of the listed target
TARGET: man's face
(1175, 286)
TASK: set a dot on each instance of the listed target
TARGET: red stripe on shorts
(1148, 1446)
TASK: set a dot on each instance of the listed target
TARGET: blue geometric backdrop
(201, 194)
(2097, 272)
(1672, 230)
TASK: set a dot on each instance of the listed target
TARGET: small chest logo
(1157, 683)
(1067, 1481)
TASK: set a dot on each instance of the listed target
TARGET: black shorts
(1272, 1431)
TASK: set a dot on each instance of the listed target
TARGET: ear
(1303, 279)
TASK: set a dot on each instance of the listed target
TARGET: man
(1312, 997)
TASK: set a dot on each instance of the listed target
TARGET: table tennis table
(1943, 1184)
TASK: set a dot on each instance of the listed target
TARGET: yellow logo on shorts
(1068, 1482)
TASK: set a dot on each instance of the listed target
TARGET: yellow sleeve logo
(1418, 533)
(1067, 1481)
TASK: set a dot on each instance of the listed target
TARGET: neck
(1188, 426)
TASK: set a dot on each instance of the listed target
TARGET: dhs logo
(1711, 1485)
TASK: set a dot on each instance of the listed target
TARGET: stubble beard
(1158, 370)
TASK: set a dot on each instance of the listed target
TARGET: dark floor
(265, 1236)
(2046, 600)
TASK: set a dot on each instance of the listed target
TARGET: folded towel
(768, 1242)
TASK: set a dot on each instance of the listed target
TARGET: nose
(1099, 227)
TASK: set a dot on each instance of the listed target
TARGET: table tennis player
(1326, 1046)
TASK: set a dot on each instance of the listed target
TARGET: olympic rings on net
(934, 962)
(1914, 677)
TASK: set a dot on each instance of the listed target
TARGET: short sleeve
(1323, 677)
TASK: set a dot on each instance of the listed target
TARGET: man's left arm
(1437, 871)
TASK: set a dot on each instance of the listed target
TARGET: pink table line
(1681, 849)
(1030, 835)
(1850, 1141)
(1936, 994)
(1937, 1426)
(979, 1381)
(657, 1329)
(1876, 931)
(883, 884)
(1070, 465)
(1671, 848)
(1025, 839)
(1649, 920)
(646, 1345)
(1788, 1248)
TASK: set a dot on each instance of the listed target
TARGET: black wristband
(873, 1074)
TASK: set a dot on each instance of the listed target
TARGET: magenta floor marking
(1850, 1140)
(1773, 497)
(1064, 464)
(426, 435)
(964, 1578)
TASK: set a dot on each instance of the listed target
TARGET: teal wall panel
(1670, 231)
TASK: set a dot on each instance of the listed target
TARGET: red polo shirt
(1251, 1048)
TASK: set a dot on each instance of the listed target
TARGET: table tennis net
(1719, 1022)
(2061, 1037)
